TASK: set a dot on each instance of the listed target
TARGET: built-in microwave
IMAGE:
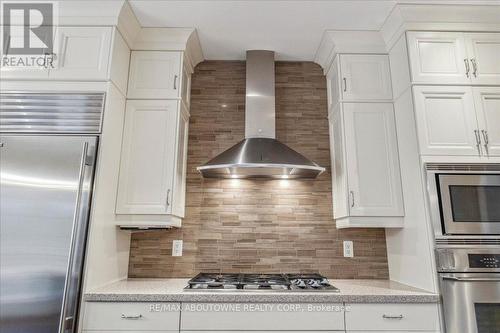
(465, 200)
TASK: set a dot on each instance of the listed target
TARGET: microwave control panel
(484, 260)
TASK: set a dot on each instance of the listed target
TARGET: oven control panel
(484, 260)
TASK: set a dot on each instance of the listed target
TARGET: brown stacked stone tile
(258, 225)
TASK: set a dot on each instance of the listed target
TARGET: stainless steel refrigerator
(48, 145)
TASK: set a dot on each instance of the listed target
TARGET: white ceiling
(293, 29)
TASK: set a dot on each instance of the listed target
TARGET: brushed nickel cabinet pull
(168, 197)
(478, 142)
(131, 317)
(352, 198)
(467, 67)
(486, 140)
(474, 66)
(175, 82)
(392, 317)
(345, 84)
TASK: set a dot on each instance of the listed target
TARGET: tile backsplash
(258, 225)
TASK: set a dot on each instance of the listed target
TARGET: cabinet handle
(175, 82)
(345, 84)
(474, 66)
(1, 144)
(168, 197)
(486, 140)
(131, 317)
(478, 142)
(467, 67)
(352, 198)
(392, 317)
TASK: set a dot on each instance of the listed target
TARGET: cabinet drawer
(118, 316)
(392, 317)
(262, 317)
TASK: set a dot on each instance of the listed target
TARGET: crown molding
(439, 17)
(334, 42)
(128, 24)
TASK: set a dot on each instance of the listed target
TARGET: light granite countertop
(171, 290)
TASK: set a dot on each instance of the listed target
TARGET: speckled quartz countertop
(171, 290)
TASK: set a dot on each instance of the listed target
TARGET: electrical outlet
(348, 249)
(177, 248)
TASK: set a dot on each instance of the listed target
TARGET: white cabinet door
(438, 58)
(446, 120)
(83, 53)
(373, 160)
(339, 170)
(35, 70)
(483, 50)
(333, 84)
(147, 161)
(487, 101)
(365, 77)
(154, 74)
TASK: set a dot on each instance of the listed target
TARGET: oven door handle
(453, 278)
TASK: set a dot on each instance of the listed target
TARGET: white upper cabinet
(365, 77)
(373, 172)
(454, 57)
(83, 53)
(15, 40)
(446, 120)
(458, 120)
(148, 163)
(366, 180)
(483, 50)
(438, 57)
(487, 104)
(155, 75)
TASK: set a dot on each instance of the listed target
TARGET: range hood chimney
(260, 155)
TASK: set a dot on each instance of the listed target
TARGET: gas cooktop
(259, 282)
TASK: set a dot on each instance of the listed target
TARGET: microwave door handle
(453, 278)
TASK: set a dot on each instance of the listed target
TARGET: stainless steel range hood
(260, 155)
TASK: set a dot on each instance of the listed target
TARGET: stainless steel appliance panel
(470, 203)
(45, 187)
(471, 302)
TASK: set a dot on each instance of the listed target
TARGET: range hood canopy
(260, 155)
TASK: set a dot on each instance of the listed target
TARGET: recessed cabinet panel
(154, 74)
(339, 170)
(483, 50)
(179, 195)
(147, 161)
(15, 40)
(487, 102)
(438, 57)
(83, 53)
(333, 86)
(365, 77)
(446, 120)
(372, 156)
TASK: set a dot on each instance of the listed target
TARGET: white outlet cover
(348, 249)
(177, 248)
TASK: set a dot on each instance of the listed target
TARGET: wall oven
(464, 199)
(470, 286)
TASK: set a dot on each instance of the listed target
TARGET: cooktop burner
(265, 282)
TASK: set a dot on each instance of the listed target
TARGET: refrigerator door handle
(71, 285)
